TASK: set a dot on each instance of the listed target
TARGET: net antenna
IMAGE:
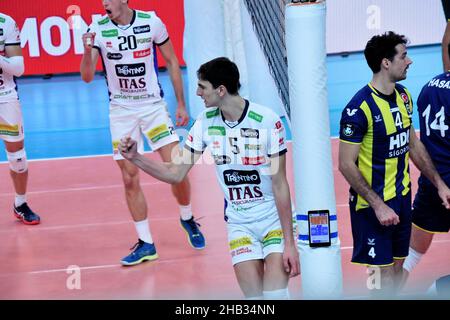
(268, 21)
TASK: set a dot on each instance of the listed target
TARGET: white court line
(109, 186)
(108, 266)
(86, 225)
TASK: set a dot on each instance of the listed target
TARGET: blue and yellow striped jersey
(381, 125)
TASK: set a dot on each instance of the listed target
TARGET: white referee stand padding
(321, 270)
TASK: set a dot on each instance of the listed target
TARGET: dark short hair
(221, 71)
(382, 46)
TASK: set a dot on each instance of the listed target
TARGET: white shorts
(11, 126)
(151, 121)
(255, 240)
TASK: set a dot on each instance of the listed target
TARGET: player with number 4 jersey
(376, 141)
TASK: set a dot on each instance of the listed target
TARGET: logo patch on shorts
(9, 130)
(116, 146)
(158, 133)
(240, 242)
(273, 237)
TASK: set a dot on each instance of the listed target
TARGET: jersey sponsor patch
(114, 56)
(212, 114)
(141, 29)
(348, 130)
(130, 70)
(216, 131)
(103, 21)
(256, 147)
(142, 53)
(253, 161)
(239, 177)
(143, 15)
(221, 160)
(110, 33)
(249, 133)
(255, 116)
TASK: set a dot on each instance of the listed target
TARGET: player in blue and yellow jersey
(429, 215)
(377, 140)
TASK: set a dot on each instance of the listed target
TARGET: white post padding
(321, 268)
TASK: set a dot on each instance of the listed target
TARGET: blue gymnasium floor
(64, 117)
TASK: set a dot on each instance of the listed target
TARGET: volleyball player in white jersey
(11, 124)
(248, 145)
(125, 39)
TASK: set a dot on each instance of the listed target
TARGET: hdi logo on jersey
(141, 29)
(249, 133)
(1, 32)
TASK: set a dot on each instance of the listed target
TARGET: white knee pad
(281, 294)
(18, 161)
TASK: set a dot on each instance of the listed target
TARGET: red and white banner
(51, 30)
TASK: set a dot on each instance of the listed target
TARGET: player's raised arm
(170, 172)
(90, 57)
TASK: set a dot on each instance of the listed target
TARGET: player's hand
(444, 193)
(88, 41)
(386, 216)
(182, 117)
(128, 148)
(291, 261)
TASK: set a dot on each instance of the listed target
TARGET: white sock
(186, 212)
(143, 231)
(412, 260)
(280, 294)
(20, 199)
(255, 298)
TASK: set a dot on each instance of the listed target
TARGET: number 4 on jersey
(372, 252)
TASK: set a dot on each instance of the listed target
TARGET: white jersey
(128, 57)
(9, 36)
(242, 154)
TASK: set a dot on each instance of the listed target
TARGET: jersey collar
(131, 23)
(391, 98)
(243, 115)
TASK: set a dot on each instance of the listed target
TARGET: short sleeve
(12, 33)
(353, 125)
(277, 141)
(161, 34)
(194, 141)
